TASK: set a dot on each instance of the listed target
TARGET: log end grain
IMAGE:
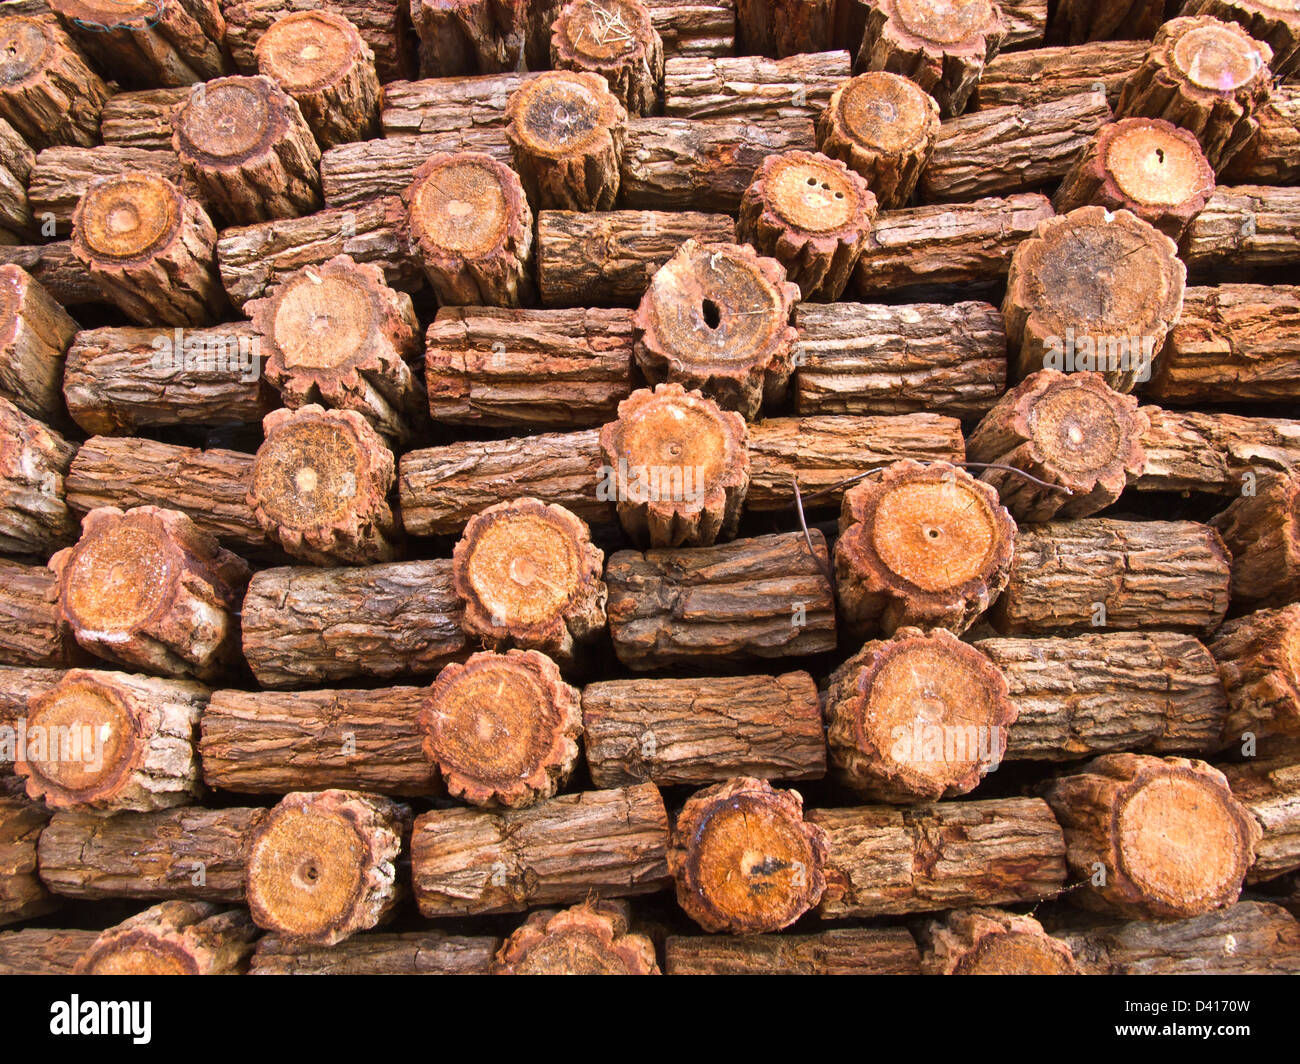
(588, 939)
(174, 938)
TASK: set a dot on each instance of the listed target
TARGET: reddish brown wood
(590, 939)
(32, 631)
(992, 942)
(144, 45)
(22, 894)
(841, 951)
(1219, 454)
(34, 464)
(376, 953)
(1262, 533)
(1030, 77)
(617, 40)
(1275, 22)
(141, 119)
(173, 938)
(1259, 661)
(47, 93)
(799, 86)
(353, 174)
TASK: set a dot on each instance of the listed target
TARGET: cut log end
(993, 942)
(128, 219)
(617, 40)
(173, 938)
(588, 939)
(227, 123)
(119, 576)
(1217, 58)
(502, 728)
(744, 859)
(309, 51)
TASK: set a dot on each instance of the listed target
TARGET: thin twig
(803, 523)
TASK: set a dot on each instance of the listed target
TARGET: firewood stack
(636, 487)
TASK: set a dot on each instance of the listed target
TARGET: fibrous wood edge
(141, 119)
(1075, 21)
(173, 938)
(1262, 533)
(460, 37)
(41, 951)
(1217, 454)
(1245, 226)
(991, 942)
(1270, 791)
(617, 40)
(1272, 156)
(355, 173)
(35, 332)
(50, 96)
(785, 27)
(55, 267)
(32, 631)
(22, 894)
(1259, 662)
(18, 684)
(34, 464)
(593, 938)
(1042, 74)
(177, 45)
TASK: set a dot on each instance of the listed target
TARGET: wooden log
(917, 717)
(353, 174)
(502, 729)
(62, 175)
(18, 685)
(1206, 76)
(54, 267)
(1214, 453)
(34, 463)
(321, 865)
(210, 487)
(269, 742)
(447, 104)
(530, 577)
(245, 144)
(1277, 24)
(813, 215)
(1078, 696)
(459, 37)
(254, 258)
(991, 942)
(1245, 226)
(1145, 166)
(947, 243)
(147, 587)
(38, 951)
(607, 258)
(947, 855)
(751, 600)
(32, 631)
(1270, 791)
(337, 335)
(840, 951)
(785, 27)
(319, 487)
(22, 894)
(1272, 156)
(593, 938)
(173, 938)
(610, 843)
(187, 852)
(616, 40)
(943, 48)
(376, 953)
(855, 358)
(49, 95)
(1249, 938)
(1016, 148)
(695, 27)
(109, 741)
(16, 162)
(1026, 22)
(1258, 664)
(510, 368)
(149, 248)
(1042, 74)
(141, 119)
(118, 380)
(884, 127)
(675, 164)
(1069, 431)
(322, 61)
(744, 858)
(1074, 21)
(1092, 290)
(471, 230)
(695, 731)
(309, 626)
(790, 89)
(1153, 838)
(717, 317)
(383, 23)
(1096, 572)
(1262, 534)
(139, 44)
(566, 131)
(677, 467)
(925, 546)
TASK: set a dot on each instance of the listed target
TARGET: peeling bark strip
(34, 464)
(608, 258)
(1208, 77)
(1237, 340)
(942, 47)
(606, 843)
(32, 631)
(1082, 695)
(947, 855)
(112, 742)
(352, 174)
(755, 599)
(842, 951)
(141, 43)
(694, 731)
(319, 487)
(1171, 838)
(147, 587)
(267, 742)
(1272, 157)
(955, 243)
(855, 358)
(62, 174)
(37, 951)
(1245, 226)
(617, 40)
(47, 93)
(22, 894)
(1262, 533)
(1274, 21)
(55, 267)
(141, 119)
(321, 865)
(1259, 661)
(120, 380)
(917, 717)
(186, 852)
(173, 938)
(921, 545)
(1016, 148)
(1097, 572)
(992, 942)
(320, 59)
(1214, 453)
(1068, 430)
(523, 369)
(593, 938)
(149, 248)
(1026, 78)
(1270, 791)
(751, 86)
(374, 953)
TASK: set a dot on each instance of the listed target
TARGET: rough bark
(1270, 791)
(353, 174)
(32, 632)
(991, 942)
(616, 40)
(459, 37)
(16, 162)
(448, 104)
(1259, 662)
(593, 938)
(1272, 156)
(695, 27)
(22, 894)
(1218, 454)
(1262, 533)
(49, 95)
(38, 951)
(1076, 21)
(141, 119)
(1245, 226)
(785, 27)
(841, 951)
(143, 45)
(55, 267)
(34, 463)
(800, 86)
(174, 938)
(375, 953)
(1043, 74)
(62, 175)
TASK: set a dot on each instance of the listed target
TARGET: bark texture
(377, 953)
(842, 951)
(1260, 667)
(35, 332)
(751, 86)
(173, 938)
(34, 463)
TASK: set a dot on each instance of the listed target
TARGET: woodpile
(649, 487)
